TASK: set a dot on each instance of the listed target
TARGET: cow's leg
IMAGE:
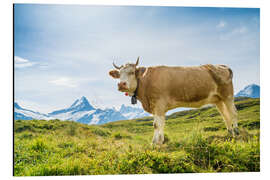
(159, 123)
(225, 114)
(232, 114)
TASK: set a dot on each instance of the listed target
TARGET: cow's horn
(137, 62)
(117, 67)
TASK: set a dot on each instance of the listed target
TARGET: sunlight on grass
(196, 141)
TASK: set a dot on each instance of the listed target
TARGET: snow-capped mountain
(26, 114)
(252, 91)
(80, 105)
(82, 111)
(132, 112)
(107, 115)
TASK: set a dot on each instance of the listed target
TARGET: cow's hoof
(158, 141)
(154, 141)
(230, 132)
(236, 131)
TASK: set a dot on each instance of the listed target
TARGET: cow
(162, 88)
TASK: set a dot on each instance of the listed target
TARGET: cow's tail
(221, 74)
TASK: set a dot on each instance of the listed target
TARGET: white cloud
(81, 68)
(233, 33)
(64, 81)
(22, 63)
(221, 24)
(240, 30)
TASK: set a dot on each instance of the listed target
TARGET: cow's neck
(142, 97)
(141, 76)
(135, 94)
(136, 90)
(139, 73)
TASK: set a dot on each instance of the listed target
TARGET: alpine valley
(82, 111)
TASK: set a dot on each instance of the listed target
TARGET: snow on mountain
(71, 116)
(107, 115)
(16, 106)
(81, 105)
(78, 106)
(95, 119)
(82, 111)
(132, 112)
(26, 114)
(252, 91)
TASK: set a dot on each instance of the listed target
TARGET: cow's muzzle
(122, 86)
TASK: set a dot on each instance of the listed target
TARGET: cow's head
(127, 75)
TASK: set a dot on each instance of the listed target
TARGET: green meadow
(196, 141)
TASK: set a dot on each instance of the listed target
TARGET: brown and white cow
(162, 88)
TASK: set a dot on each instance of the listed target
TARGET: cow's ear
(139, 71)
(114, 73)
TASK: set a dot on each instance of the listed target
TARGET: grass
(196, 141)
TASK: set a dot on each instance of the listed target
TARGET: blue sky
(63, 52)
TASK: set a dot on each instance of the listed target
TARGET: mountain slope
(132, 112)
(79, 105)
(252, 91)
(26, 114)
(107, 115)
(82, 111)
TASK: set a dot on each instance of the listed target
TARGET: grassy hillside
(196, 141)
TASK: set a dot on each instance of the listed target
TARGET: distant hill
(252, 91)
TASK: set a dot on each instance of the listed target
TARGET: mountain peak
(252, 90)
(252, 86)
(82, 100)
(81, 104)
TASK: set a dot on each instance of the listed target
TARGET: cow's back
(186, 84)
(176, 86)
